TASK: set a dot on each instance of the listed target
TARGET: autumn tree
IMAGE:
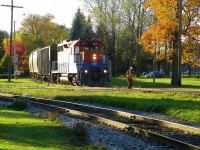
(31, 41)
(4, 63)
(162, 35)
(3, 56)
(3, 35)
(20, 52)
(43, 30)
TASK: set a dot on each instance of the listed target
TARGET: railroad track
(177, 135)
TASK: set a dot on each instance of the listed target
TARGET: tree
(163, 34)
(134, 19)
(4, 64)
(3, 35)
(43, 30)
(31, 41)
(77, 30)
(119, 24)
(89, 33)
(105, 14)
(20, 51)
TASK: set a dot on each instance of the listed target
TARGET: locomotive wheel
(74, 80)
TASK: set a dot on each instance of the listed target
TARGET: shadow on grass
(21, 130)
(32, 136)
(140, 104)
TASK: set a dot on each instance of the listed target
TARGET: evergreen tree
(79, 27)
(89, 33)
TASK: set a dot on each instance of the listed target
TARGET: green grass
(29, 83)
(22, 131)
(187, 83)
(183, 106)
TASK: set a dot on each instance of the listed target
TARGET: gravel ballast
(112, 139)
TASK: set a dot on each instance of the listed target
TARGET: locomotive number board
(89, 44)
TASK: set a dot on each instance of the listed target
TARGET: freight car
(79, 62)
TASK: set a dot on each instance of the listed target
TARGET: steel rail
(127, 115)
(164, 139)
(120, 113)
(124, 126)
(86, 115)
(120, 125)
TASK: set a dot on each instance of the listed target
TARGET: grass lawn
(22, 131)
(182, 106)
(187, 83)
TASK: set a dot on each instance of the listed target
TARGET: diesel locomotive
(79, 62)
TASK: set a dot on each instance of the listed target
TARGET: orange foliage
(162, 31)
(20, 51)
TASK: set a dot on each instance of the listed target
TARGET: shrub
(79, 129)
(53, 116)
(19, 104)
(155, 108)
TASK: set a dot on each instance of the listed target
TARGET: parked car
(144, 73)
(187, 72)
(158, 74)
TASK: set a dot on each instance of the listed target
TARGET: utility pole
(11, 30)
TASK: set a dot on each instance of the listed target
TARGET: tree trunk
(139, 33)
(176, 77)
(113, 52)
(175, 73)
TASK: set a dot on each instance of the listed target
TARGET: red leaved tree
(21, 52)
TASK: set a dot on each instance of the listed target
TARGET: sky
(63, 11)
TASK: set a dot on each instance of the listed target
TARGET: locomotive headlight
(105, 71)
(94, 57)
(85, 71)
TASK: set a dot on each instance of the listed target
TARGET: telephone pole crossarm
(12, 6)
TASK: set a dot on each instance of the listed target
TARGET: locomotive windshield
(89, 48)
